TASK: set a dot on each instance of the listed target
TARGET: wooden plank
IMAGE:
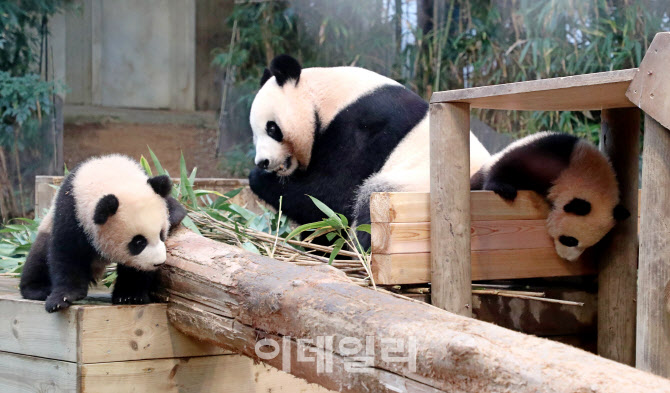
(120, 333)
(215, 374)
(653, 295)
(650, 89)
(571, 93)
(23, 374)
(30, 330)
(412, 237)
(450, 207)
(485, 206)
(392, 269)
(617, 259)
(400, 207)
(92, 334)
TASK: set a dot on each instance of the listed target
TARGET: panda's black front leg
(266, 185)
(504, 190)
(363, 217)
(132, 285)
(70, 277)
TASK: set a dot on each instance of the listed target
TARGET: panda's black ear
(267, 74)
(620, 213)
(578, 206)
(106, 207)
(285, 68)
(161, 184)
(177, 212)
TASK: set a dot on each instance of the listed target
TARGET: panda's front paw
(57, 301)
(130, 297)
(506, 191)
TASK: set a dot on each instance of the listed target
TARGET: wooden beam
(230, 374)
(414, 237)
(617, 259)
(241, 301)
(450, 207)
(597, 91)
(653, 302)
(393, 269)
(484, 206)
(650, 89)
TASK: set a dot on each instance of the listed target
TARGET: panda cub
(572, 174)
(107, 210)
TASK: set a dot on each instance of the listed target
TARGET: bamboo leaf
(188, 223)
(157, 163)
(146, 166)
(336, 250)
(305, 227)
(364, 228)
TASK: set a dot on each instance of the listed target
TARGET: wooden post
(653, 311)
(617, 279)
(450, 207)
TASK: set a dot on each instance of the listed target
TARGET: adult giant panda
(107, 210)
(572, 174)
(338, 134)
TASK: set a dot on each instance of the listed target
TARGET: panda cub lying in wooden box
(107, 210)
(572, 174)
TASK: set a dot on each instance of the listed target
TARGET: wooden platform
(101, 348)
(508, 240)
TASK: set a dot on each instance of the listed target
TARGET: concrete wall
(128, 53)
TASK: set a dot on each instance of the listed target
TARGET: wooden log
(617, 259)
(241, 301)
(450, 207)
(596, 91)
(653, 305)
(649, 90)
(392, 269)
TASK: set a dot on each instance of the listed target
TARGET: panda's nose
(263, 164)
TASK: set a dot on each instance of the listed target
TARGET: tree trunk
(317, 325)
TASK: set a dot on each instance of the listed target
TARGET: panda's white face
(282, 120)
(135, 234)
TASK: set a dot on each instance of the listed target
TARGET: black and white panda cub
(107, 210)
(338, 134)
(572, 174)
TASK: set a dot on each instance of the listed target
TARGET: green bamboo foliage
(470, 43)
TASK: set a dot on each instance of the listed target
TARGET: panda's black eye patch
(578, 206)
(274, 131)
(568, 241)
(137, 245)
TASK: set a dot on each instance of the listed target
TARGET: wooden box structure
(102, 348)
(618, 94)
(508, 240)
